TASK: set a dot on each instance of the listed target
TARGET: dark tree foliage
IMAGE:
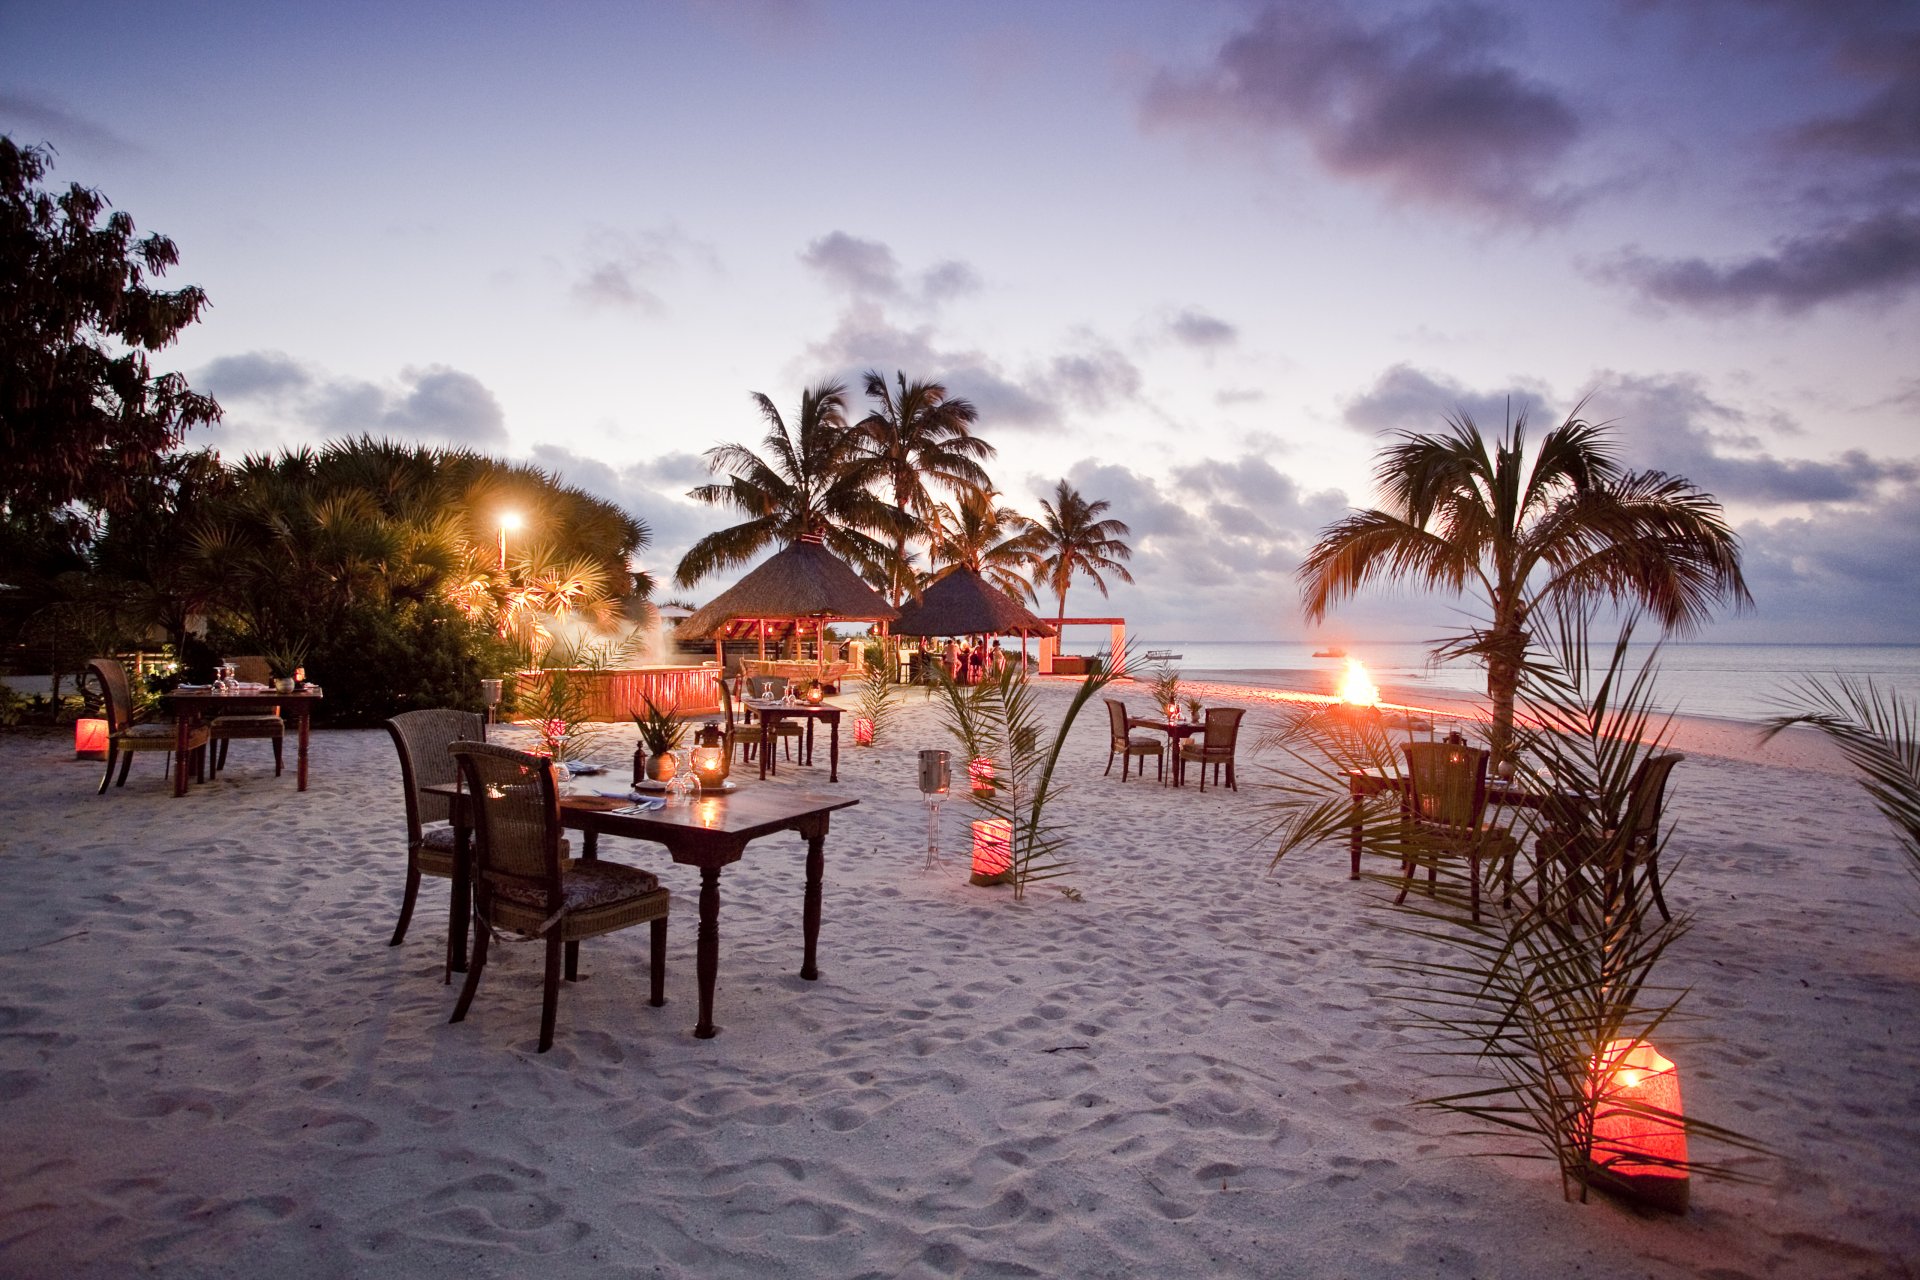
(83, 416)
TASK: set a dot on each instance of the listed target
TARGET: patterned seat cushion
(586, 885)
(151, 729)
(1145, 744)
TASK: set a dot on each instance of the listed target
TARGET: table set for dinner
(193, 704)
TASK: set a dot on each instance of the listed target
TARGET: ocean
(1730, 681)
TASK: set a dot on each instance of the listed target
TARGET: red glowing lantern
(992, 851)
(862, 731)
(90, 739)
(1639, 1139)
(980, 775)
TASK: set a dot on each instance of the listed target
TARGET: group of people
(972, 663)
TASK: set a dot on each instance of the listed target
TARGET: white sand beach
(211, 1063)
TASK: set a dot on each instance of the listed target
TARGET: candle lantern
(1173, 711)
(980, 776)
(935, 777)
(992, 851)
(862, 731)
(90, 739)
(816, 694)
(710, 756)
(1639, 1139)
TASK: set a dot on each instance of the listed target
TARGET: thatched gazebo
(965, 604)
(804, 584)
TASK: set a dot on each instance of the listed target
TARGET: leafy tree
(996, 542)
(83, 416)
(1071, 540)
(920, 438)
(813, 479)
(1561, 530)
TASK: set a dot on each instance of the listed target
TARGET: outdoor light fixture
(710, 763)
(1639, 1136)
(90, 739)
(508, 520)
(992, 851)
(862, 731)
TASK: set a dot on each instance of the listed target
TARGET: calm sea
(1733, 681)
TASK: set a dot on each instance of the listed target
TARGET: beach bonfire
(1357, 689)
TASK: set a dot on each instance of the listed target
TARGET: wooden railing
(615, 695)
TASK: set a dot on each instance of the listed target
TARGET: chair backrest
(516, 809)
(422, 739)
(113, 684)
(726, 706)
(1645, 797)
(1223, 728)
(1117, 720)
(251, 668)
(1446, 784)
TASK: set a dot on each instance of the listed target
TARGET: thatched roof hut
(804, 582)
(965, 604)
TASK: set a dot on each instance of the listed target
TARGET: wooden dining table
(771, 712)
(191, 706)
(1177, 731)
(711, 833)
(1361, 784)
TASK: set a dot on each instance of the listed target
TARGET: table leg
(589, 846)
(808, 754)
(810, 908)
(1353, 837)
(766, 744)
(706, 956)
(306, 723)
(460, 906)
(833, 749)
(182, 734)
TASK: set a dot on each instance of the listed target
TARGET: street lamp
(508, 520)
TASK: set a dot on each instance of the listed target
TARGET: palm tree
(1564, 530)
(996, 542)
(1071, 540)
(812, 481)
(920, 436)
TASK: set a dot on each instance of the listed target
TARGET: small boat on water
(1162, 655)
(1329, 653)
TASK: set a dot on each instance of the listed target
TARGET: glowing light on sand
(1639, 1134)
(1357, 688)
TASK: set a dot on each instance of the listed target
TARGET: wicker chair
(1443, 813)
(125, 735)
(224, 729)
(525, 884)
(1640, 850)
(1216, 747)
(422, 739)
(1122, 743)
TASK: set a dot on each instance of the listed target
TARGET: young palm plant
(999, 719)
(1879, 733)
(1534, 1002)
(876, 704)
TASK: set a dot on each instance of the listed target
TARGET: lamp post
(508, 520)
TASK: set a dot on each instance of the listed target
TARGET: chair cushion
(157, 735)
(1146, 744)
(247, 727)
(585, 885)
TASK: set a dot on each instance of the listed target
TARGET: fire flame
(1356, 688)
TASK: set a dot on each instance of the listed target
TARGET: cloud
(653, 491)
(1862, 566)
(32, 120)
(1875, 257)
(1417, 103)
(865, 339)
(867, 270)
(1196, 328)
(1093, 380)
(619, 269)
(1407, 399)
(274, 399)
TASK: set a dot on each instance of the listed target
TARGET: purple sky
(1195, 257)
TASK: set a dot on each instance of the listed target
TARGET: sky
(1202, 260)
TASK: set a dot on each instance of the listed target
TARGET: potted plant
(287, 664)
(660, 735)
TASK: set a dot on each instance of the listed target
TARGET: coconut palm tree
(1561, 529)
(813, 479)
(1071, 540)
(996, 542)
(920, 437)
